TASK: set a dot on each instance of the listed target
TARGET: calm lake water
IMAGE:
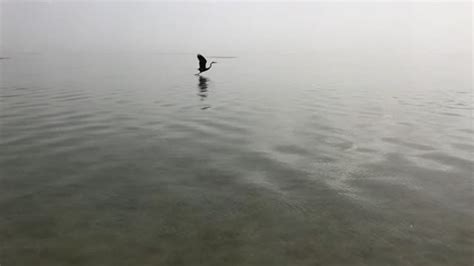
(323, 158)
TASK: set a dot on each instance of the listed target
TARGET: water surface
(330, 157)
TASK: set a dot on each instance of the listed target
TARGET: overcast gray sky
(233, 28)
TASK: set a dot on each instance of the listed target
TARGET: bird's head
(213, 62)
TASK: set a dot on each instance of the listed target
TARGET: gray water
(324, 157)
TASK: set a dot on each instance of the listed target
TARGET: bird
(202, 64)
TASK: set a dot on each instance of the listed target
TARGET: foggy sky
(234, 28)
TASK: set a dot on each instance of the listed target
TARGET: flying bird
(202, 64)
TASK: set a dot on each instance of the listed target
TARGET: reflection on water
(202, 86)
(291, 167)
(108, 163)
(339, 134)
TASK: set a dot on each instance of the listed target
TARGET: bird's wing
(202, 61)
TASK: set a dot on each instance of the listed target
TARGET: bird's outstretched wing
(202, 61)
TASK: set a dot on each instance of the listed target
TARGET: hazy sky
(234, 28)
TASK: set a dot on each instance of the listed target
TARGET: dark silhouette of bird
(202, 64)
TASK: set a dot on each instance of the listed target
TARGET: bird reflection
(202, 86)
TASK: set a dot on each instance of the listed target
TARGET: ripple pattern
(106, 164)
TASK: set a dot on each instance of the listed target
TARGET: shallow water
(133, 160)
(339, 135)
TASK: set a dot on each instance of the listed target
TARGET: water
(131, 159)
(331, 158)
